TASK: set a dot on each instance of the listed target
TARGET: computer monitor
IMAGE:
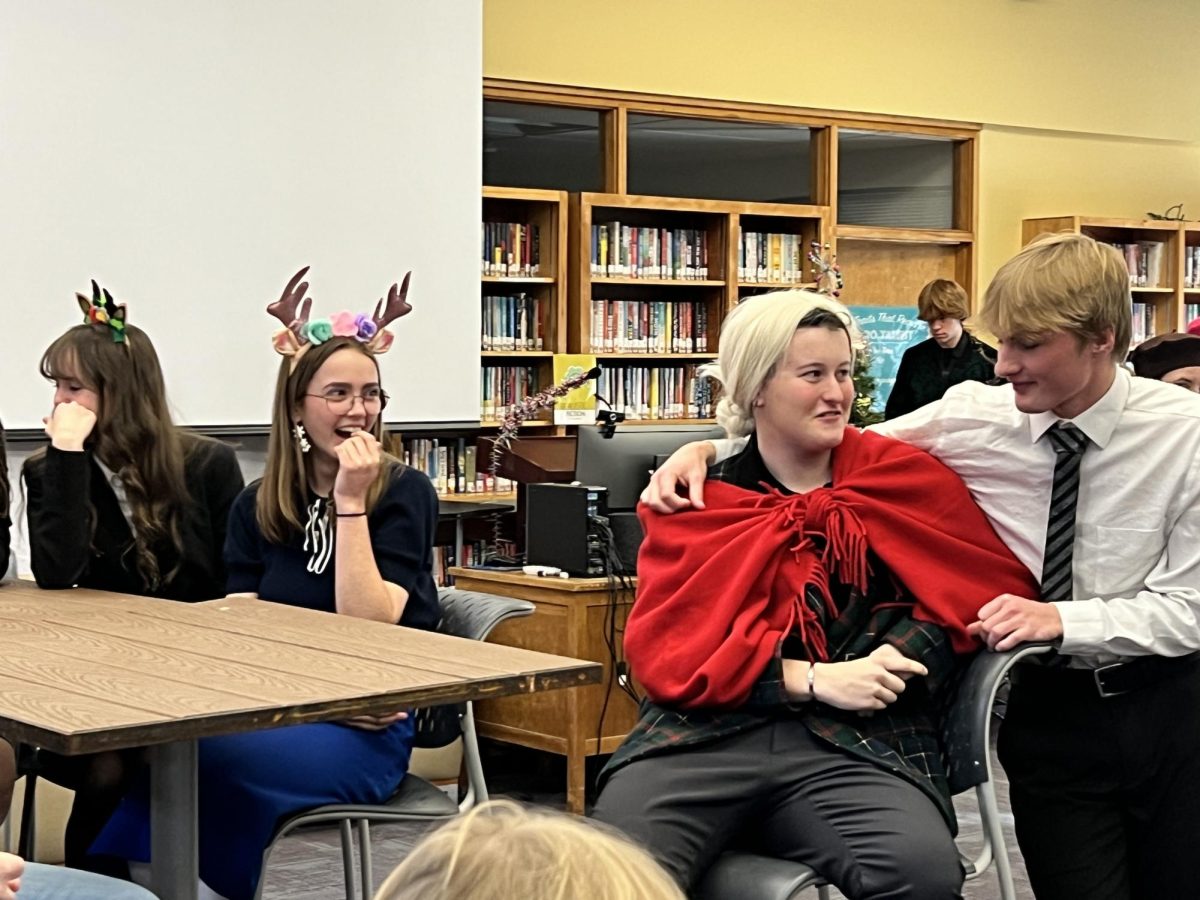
(622, 463)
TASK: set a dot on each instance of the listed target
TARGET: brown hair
(1062, 282)
(134, 434)
(943, 299)
(500, 850)
(284, 487)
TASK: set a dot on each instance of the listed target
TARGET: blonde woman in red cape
(795, 635)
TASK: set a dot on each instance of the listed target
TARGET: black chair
(466, 614)
(966, 734)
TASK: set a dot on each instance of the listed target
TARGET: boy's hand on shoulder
(687, 467)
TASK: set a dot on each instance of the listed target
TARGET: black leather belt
(1108, 681)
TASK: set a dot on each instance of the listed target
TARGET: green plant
(861, 414)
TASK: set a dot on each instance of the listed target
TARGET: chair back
(471, 615)
(966, 719)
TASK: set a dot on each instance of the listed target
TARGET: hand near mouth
(359, 458)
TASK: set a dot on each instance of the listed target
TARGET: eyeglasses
(340, 400)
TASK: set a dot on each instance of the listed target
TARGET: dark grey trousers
(780, 791)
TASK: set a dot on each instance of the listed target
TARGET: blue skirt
(249, 782)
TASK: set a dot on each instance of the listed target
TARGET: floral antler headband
(299, 333)
(102, 309)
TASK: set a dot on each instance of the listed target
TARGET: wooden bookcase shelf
(547, 210)
(720, 287)
(1170, 295)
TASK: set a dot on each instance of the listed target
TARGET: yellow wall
(1087, 104)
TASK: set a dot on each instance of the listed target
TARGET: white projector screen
(192, 156)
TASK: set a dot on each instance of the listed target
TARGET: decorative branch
(829, 273)
(516, 416)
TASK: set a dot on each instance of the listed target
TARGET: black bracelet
(350, 515)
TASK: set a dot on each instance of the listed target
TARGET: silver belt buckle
(1100, 689)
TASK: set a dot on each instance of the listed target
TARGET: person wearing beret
(1173, 358)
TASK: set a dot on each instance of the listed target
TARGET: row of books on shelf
(511, 323)
(643, 252)
(501, 387)
(649, 326)
(1144, 261)
(452, 465)
(771, 257)
(657, 392)
(1190, 311)
(511, 249)
(1144, 322)
(474, 553)
(1191, 268)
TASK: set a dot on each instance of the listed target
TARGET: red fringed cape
(719, 588)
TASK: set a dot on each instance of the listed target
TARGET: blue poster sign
(889, 330)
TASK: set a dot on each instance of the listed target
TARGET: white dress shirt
(1136, 562)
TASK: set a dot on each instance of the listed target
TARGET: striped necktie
(1069, 443)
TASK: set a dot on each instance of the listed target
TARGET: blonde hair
(756, 336)
(943, 299)
(501, 850)
(282, 494)
(1062, 282)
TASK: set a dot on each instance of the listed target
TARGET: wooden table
(569, 618)
(83, 671)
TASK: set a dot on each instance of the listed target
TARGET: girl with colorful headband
(335, 524)
(122, 500)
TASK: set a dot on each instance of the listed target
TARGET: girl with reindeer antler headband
(334, 524)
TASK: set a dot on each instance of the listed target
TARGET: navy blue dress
(249, 782)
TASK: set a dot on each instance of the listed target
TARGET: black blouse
(401, 525)
(78, 534)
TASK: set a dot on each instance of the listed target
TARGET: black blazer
(927, 371)
(79, 536)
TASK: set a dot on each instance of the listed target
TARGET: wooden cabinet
(576, 617)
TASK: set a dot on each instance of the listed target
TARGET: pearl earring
(301, 437)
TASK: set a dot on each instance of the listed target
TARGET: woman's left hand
(375, 723)
(359, 458)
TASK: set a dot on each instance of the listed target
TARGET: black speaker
(560, 529)
(627, 536)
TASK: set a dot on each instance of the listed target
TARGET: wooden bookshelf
(547, 210)
(1191, 288)
(1169, 295)
(717, 290)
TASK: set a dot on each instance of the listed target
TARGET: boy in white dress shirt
(1092, 478)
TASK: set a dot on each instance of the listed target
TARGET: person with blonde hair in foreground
(502, 850)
